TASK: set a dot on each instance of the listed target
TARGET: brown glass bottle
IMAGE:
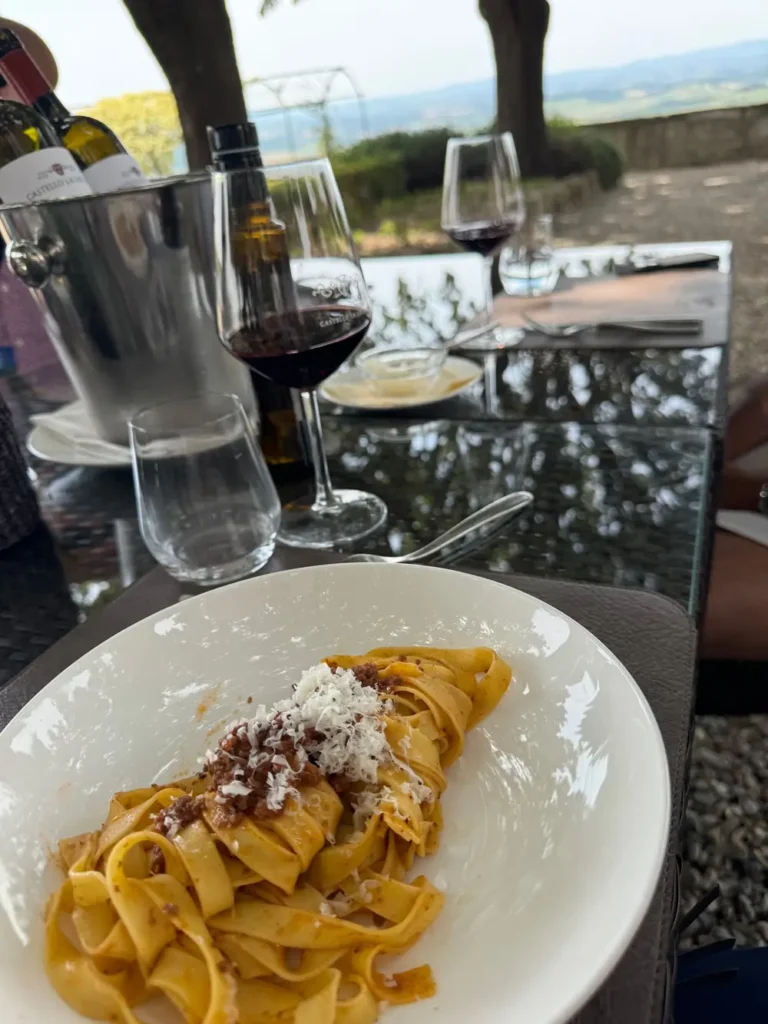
(264, 258)
(34, 166)
(99, 153)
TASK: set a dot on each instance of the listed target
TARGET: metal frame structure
(314, 88)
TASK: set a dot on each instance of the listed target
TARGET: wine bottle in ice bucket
(265, 260)
(102, 157)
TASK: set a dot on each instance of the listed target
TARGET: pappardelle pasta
(265, 889)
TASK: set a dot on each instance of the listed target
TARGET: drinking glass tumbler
(208, 510)
(528, 266)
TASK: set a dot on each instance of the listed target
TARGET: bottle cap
(232, 138)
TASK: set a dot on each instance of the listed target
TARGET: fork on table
(674, 325)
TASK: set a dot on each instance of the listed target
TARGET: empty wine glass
(292, 304)
(483, 206)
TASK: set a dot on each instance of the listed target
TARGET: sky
(389, 46)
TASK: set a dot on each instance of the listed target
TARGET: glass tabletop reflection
(427, 300)
(617, 505)
(617, 448)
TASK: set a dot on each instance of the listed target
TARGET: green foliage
(421, 154)
(365, 180)
(575, 150)
(606, 160)
(560, 123)
(327, 139)
(397, 178)
(404, 163)
(627, 105)
(147, 123)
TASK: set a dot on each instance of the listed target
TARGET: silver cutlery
(674, 325)
(492, 515)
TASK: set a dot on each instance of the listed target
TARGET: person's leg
(736, 621)
(722, 985)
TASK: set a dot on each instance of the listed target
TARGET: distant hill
(724, 76)
(465, 107)
(745, 62)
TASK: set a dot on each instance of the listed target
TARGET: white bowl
(399, 372)
(556, 816)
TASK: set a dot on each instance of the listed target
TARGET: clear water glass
(528, 266)
(208, 509)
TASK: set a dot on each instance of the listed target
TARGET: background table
(620, 449)
(429, 298)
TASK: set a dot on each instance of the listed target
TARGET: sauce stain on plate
(210, 699)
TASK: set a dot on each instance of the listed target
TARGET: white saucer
(352, 390)
(82, 448)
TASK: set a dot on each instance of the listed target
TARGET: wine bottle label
(114, 172)
(48, 174)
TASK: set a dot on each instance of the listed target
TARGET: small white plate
(83, 447)
(556, 815)
(352, 390)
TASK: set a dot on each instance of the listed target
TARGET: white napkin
(755, 462)
(72, 425)
(751, 525)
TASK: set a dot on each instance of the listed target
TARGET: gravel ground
(727, 822)
(727, 830)
(696, 204)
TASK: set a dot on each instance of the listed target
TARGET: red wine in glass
(482, 238)
(301, 348)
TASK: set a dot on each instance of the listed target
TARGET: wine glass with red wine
(292, 304)
(483, 206)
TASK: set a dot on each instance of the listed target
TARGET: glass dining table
(427, 300)
(619, 449)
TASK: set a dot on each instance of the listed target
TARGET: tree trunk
(518, 30)
(192, 41)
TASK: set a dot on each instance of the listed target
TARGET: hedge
(575, 150)
(400, 163)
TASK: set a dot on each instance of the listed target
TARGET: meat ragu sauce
(180, 813)
(233, 764)
(244, 768)
(366, 674)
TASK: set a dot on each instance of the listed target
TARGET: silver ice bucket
(124, 281)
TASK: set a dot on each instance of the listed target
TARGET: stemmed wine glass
(483, 206)
(292, 304)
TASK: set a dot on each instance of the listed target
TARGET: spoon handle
(501, 508)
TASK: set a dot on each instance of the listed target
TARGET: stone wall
(695, 139)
